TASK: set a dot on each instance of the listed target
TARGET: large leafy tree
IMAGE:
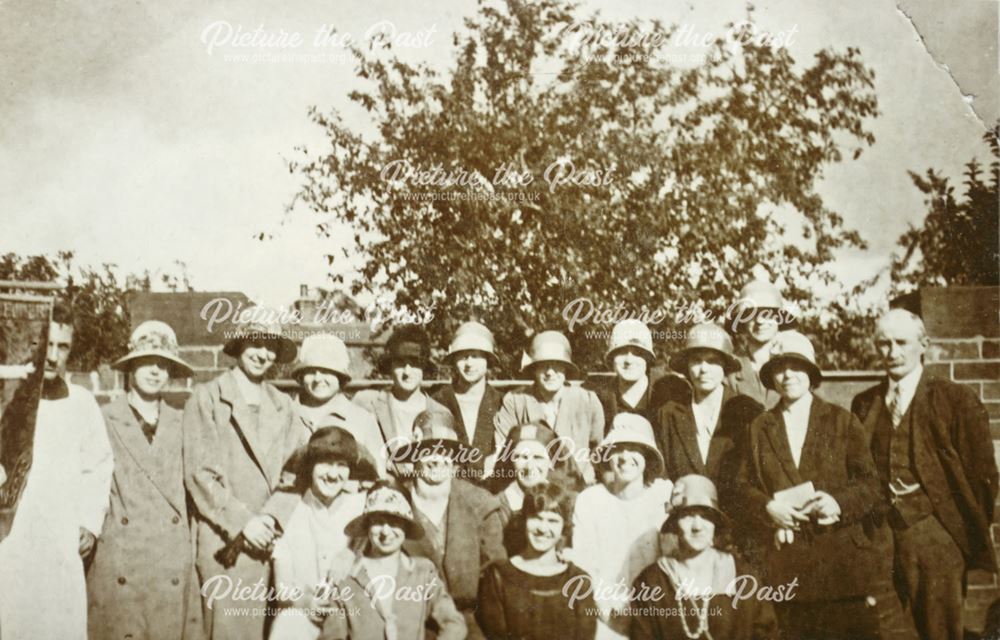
(682, 177)
(958, 242)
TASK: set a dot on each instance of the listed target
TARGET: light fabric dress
(305, 554)
(614, 540)
(42, 589)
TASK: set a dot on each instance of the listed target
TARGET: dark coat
(953, 456)
(473, 539)
(661, 389)
(484, 442)
(677, 438)
(842, 560)
(141, 582)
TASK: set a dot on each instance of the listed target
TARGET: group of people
(726, 500)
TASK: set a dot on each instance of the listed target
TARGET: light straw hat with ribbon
(324, 351)
(550, 346)
(630, 333)
(154, 339)
(473, 336)
(791, 345)
(385, 501)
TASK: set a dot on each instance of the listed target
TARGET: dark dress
(515, 605)
(751, 619)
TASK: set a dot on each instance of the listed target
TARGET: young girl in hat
(699, 589)
(616, 523)
(386, 593)
(305, 555)
(536, 595)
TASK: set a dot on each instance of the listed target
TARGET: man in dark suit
(931, 444)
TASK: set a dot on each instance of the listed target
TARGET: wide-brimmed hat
(630, 333)
(262, 326)
(324, 351)
(760, 294)
(473, 336)
(633, 429)
(433, 432)
(154, 339)
(550, 346)
(706, 337)
(329, 443)
(791, 345)
(385, 501)
(532, 431)
(408, 341)
(694, 493)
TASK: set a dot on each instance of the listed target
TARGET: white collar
(801, 407)
(908, 383)
(515, 496)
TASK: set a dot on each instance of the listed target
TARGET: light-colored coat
(377, 403)
(230, 473)
(141, 583)
(580, 420)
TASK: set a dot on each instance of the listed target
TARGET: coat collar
(272, 410)
(161, 461)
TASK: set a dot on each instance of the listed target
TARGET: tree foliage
(958, 242)
(98, 297)
(683, 177)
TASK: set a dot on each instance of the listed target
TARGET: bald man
(931, 443)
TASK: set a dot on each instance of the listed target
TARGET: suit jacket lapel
(384, 416)
(815, 438)
(687, 431)
(242, 418)
(918, 413)
(776, 434)
(273, 412)
(127, 428)
(448, 399)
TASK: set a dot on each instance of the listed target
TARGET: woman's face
(550, 376)
(629, 364)
(471, 366)
(320, 384)
(329, 478)
(697, 531)
(791, 380)
(627, 463)
(407, 374)
(763, 325)
(544, 530)
(150, 375)
(705, 370)
(435, 468)
(385, 534)
(256, 358)
(531, 463)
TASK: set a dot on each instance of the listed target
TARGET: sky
(128, 137)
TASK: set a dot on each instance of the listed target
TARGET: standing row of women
(470, 514)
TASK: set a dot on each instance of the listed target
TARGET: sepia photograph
(500, 320)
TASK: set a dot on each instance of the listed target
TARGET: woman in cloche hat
(148, 509)
(238, 433)
(392, 594)
(617, 523)
(322, 371)
(811, 485)
(709, 588)
(756, 318)
(573, 412)
(469, 397)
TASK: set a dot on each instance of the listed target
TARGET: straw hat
(630, 333)
(153, 338)
(385, 501)
(694, 493)
(473, 336)
(703, 337)
(261, 327)
(550, 346)
(408, 341)
(633, 429)
(324, 351)
(791, 345)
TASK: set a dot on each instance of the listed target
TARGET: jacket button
(124, 521)
(176, 520)
(175, 581)
(121, 579)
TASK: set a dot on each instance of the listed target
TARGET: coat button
(121, 579)
(124, 521)
(176, 520)
(175, 581)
